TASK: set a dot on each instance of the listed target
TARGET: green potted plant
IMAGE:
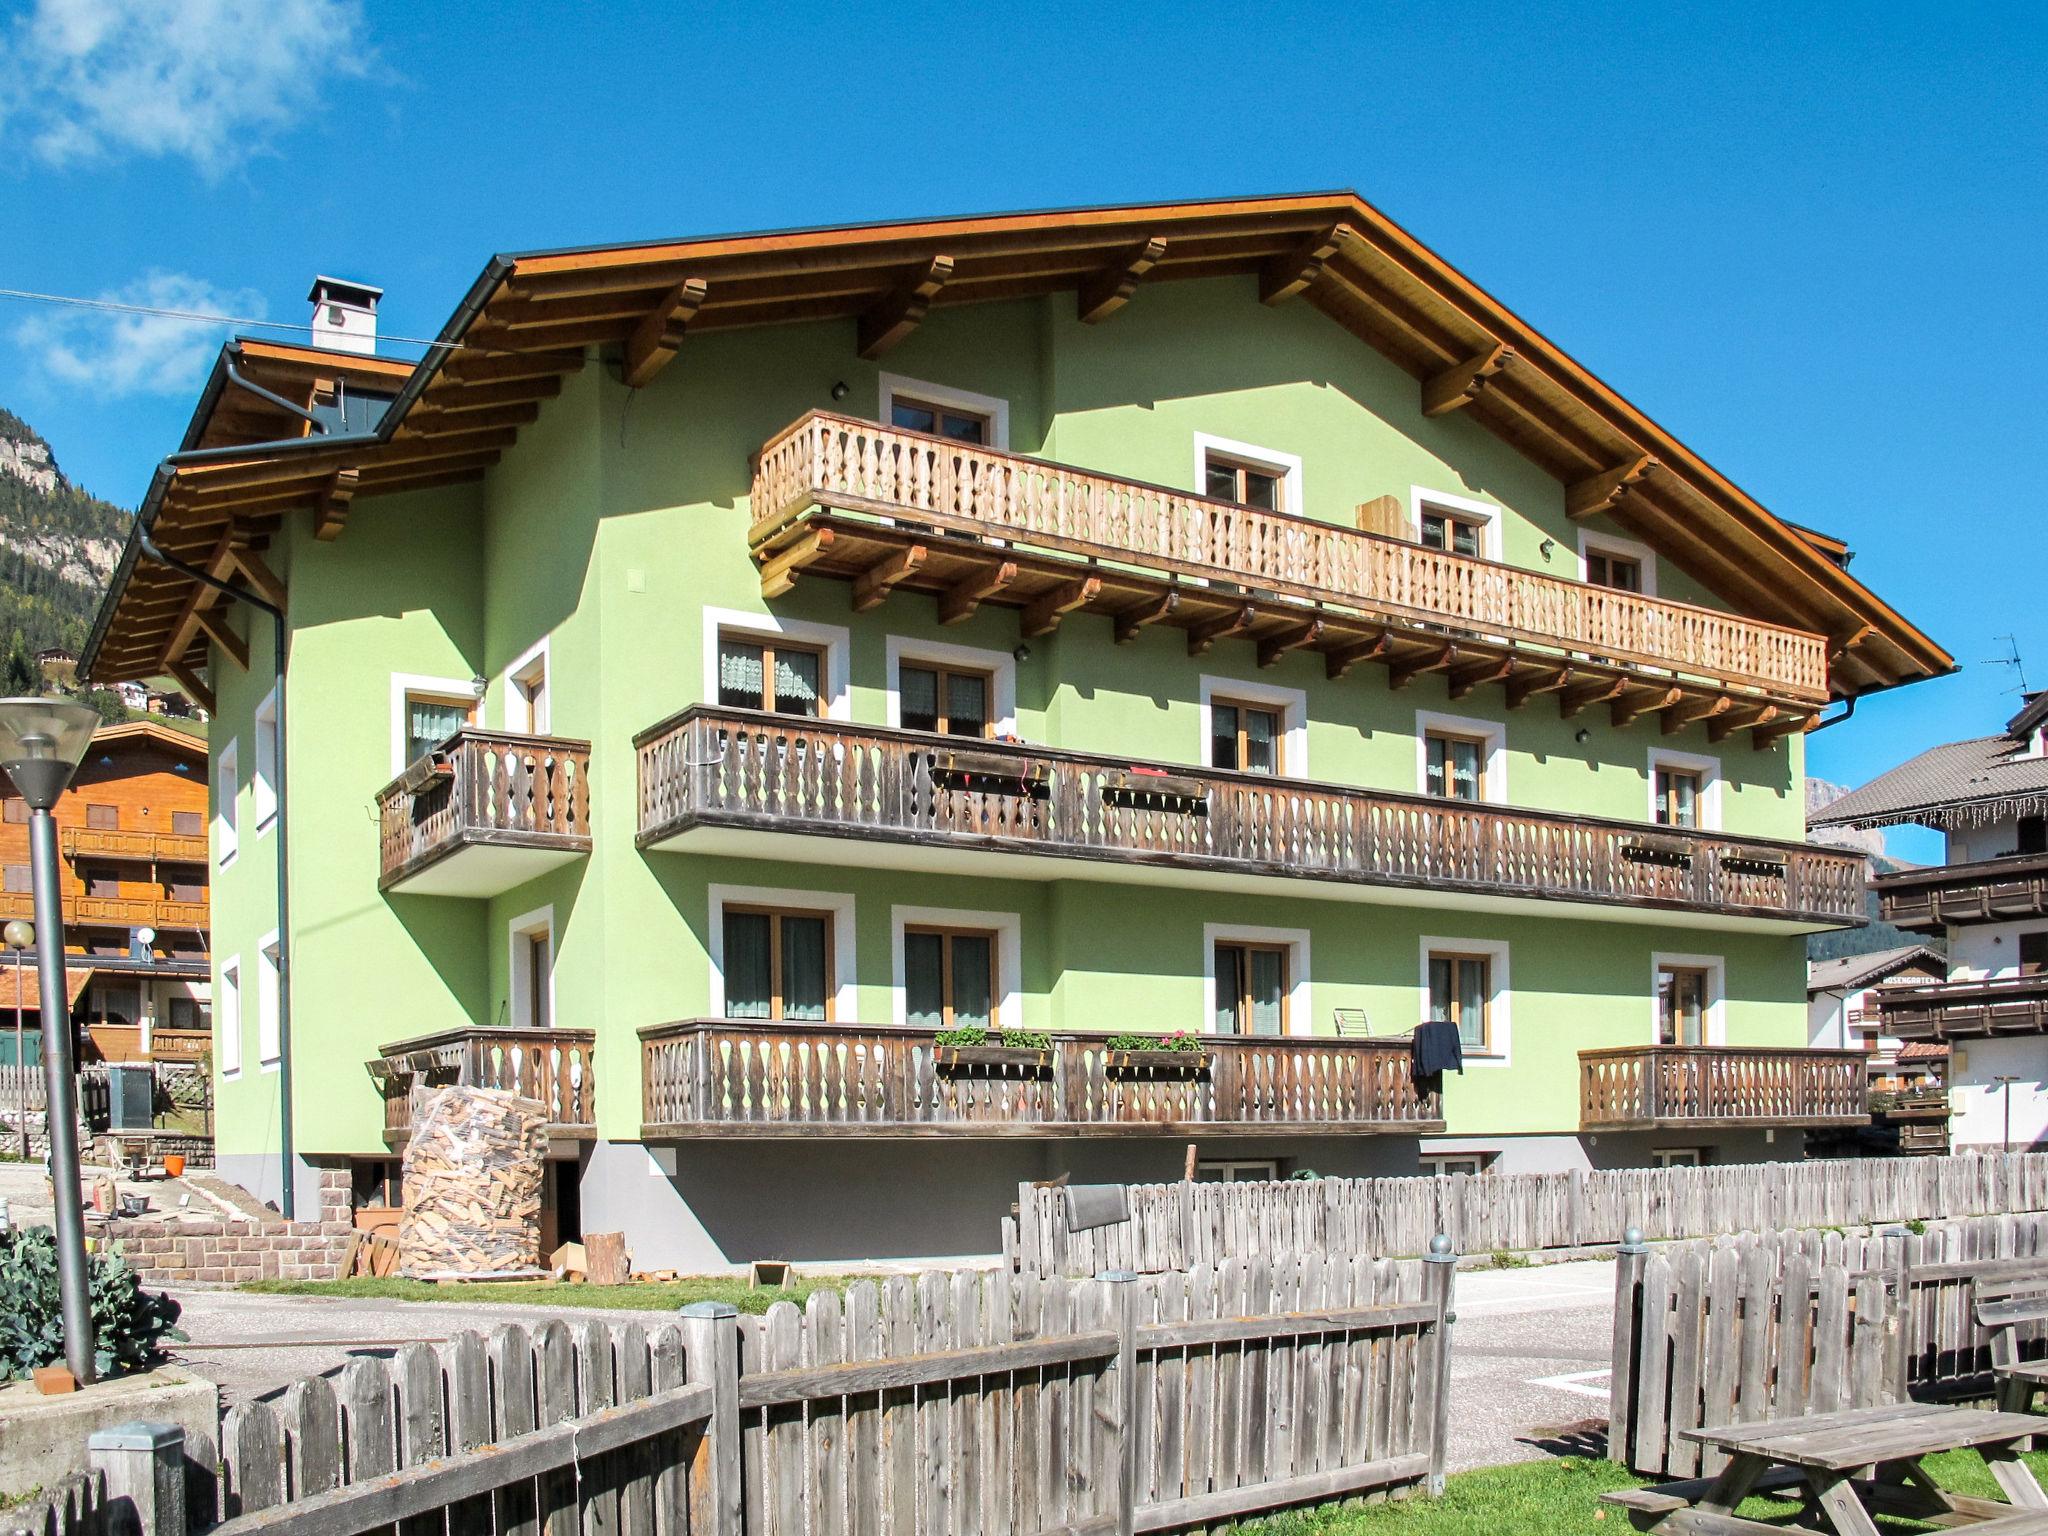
(973, 1047)
(1178, 1054)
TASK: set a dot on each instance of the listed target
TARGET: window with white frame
(1472, 1163)
(917, 405)
(227, 777)
(426, 711)
(263, 783)
(954, 690)
(531, 993)
(1254, 727)
(227, 1018)
(1237, 1170)
(1247, 474)
(1685, 790)
(1460, 759)
(267, 1037)
(1622, 565)
(1465, 982)
(1678, 1157)
(527, 706)
(1687, 999)
(1457, 525)
(1256, 979)
(956, 969)
(784, 666)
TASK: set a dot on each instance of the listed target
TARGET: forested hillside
(57, 544)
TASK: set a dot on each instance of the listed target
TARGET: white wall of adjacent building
(1978, 1101)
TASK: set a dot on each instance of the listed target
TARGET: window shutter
(1385, 516)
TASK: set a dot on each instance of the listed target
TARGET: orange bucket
(174, 1166)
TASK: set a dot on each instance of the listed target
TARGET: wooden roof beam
(1724, 725)
(1461, 383)
(1764, 737)
(1339, 662)
(214, 626)
(195, 688)
(1158, 611)
(871, 587)
(1110, 289)
(1695, 711)
(1488, 669)
(1606, 490)
(1534, 680)
(659, 335)
(957, 604)
(1203, 636)
(1043, 613)
(1296, 271)
(485, 397)
(481, 366)
(1596, 690)
(330, 516)
(1295, 638)
(779, 572)
(1628, 709)
(1404, 670)
(904, 309)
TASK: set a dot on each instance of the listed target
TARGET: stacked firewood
(473, 1171)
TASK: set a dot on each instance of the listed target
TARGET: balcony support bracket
(871, 587)
(1598, 690)
(779, 571)
(1338, 663)
(958, 603)
(1626, 711)
(1156, 612)
(1299, 637)
(1722, 726)
(1478, 673)
(1764, 737)
(1403, 671)
(1693, 712)
(1204, 635)
(1536, 680)
(1043, 614)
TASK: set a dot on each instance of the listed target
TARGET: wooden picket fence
(1777, 1324)
(1175, 1226)
(966, 1404)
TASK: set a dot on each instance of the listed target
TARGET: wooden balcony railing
(1987, 891)
(114, 911)
(485, 789)
(1724, 1087)
(152, 847)
(738, 768)
(841, 463)
(552, 1066)
(738, 1077)
(2009, 1005)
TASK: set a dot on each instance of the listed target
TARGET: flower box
(995, 1058)
(1158, 1063)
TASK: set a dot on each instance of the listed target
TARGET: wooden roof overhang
(533, 318)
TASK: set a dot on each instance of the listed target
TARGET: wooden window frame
(94, 810)
(1435, 1161)
(1678, 1157)
(1485, 1043)
(1228, 1167)
(946, 933)
(1663, 810)
(943, 671)
(1609, 559)
(1239, 465)
(769, 645)
(1674, 1026)
(1242, 1009)
(940, 410)
(1452, 519)
(1447, 734)
(469, 703)
(775, 916)
(1242, 706)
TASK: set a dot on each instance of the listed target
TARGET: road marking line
(1577, 1382)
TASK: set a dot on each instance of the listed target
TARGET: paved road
(1516, 1331)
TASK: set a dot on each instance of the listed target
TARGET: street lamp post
(18, 936)
(42, 742)
(2005, 1080)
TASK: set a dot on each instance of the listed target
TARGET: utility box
(131, 1098)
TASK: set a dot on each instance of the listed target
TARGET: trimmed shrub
(129, 1323)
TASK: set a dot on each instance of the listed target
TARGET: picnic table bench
(1820, 1456)
(2006, 1303)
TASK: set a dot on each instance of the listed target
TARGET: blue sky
(1810, 245)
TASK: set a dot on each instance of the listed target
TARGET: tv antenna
(2011, 658)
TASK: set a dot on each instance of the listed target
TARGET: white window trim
(1000, 665)
(832, 639)
(1296, 941)
(1493, 786)
(227, 775)
(838, 903)
(1715, 1025)
(267, 1004)
(1008, 928)
(227, 1018)
(263, 787)
(1678, 1157)
(518, 1005)
(994, 407)
(1434, 1161)
(403, 683)
(1501, 1025)
(518, 711)
(1486, 513)
(1230, 1165)
(1709, 770)
(1292, 704)
(1286, 465)
(1629, 549)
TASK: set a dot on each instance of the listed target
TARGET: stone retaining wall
(230, 1250)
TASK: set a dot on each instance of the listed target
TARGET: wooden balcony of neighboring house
(756, 1078)
(140, 847)
(742, 782)
(1984, 891)
(114, 911)
(552, 1066)
(1947, 1010)
(1716, 1087)
(483, 812)
(887, 508)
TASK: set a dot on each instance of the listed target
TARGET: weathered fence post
(1900, 1281)
(144, 1468)
(1575, 1206)
(711, 1351)
(1629, 1260)
(1439, 1281)
(1122, 1290)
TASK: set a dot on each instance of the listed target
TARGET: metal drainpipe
(288, 1199)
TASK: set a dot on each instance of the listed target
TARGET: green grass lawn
(663, 1296)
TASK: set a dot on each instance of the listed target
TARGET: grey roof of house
(1962, 782)
(1849, 973)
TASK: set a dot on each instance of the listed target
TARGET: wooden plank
(253, 1449)
(1306, 1488)
(636, 1467)
(916, 1370)
(782, 1471)
(466, 1371)
(554, 1387)
(1282, 1326)
(863, 1413)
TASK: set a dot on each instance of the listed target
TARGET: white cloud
(109, 353)
(208, 80)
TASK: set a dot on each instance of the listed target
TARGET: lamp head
(19, 934)
(42, 742)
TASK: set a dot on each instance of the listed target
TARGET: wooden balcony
(114, 911)
(483, 812)
(142, 847)
(2010, 1005)
(1988, 891)
(847, 498)
(1716, 1087)
(718, 780)
(552, 1066)
(739, 1077)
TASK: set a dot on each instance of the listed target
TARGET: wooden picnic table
(1819, 1457)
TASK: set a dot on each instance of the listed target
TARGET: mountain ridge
(58, 543)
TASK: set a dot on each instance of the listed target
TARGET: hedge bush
(130, 1324)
